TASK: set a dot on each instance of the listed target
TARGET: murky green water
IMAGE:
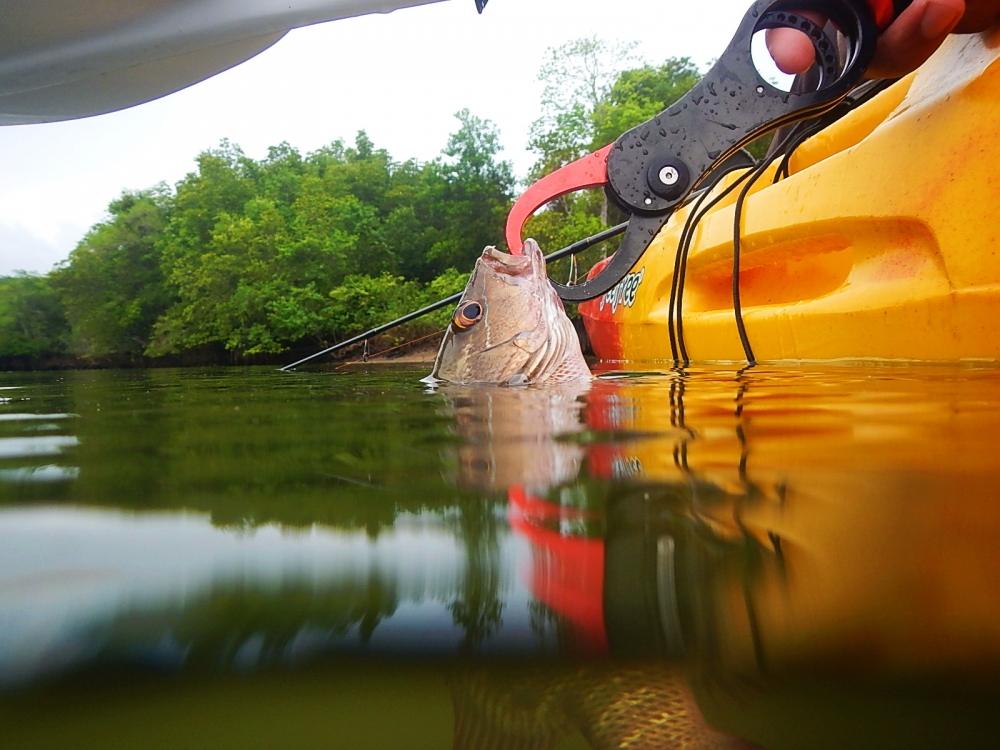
(797, 558)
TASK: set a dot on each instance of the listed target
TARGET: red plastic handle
(586, 172)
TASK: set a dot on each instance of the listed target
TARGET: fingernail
(939, 19)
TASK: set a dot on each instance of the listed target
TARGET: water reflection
(850, 509)
(85, 584)
(775, 526)
(517, 436)
(795, 553)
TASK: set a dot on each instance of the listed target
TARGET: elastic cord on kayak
(675, 318)
(674, 315)
(677, 283)
(791, 141)
(786, 143)
(807, 129)
(737, 235)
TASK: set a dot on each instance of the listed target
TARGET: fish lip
(505, 263)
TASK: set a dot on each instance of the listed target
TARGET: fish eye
(467, 315)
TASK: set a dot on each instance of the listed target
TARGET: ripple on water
(31, 447)
(818, 544)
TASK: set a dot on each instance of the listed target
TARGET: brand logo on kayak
(623, 293)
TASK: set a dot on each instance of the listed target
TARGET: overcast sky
(401, 77)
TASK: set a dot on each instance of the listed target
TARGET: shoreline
(424, 353)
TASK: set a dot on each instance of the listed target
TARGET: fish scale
(613, 706)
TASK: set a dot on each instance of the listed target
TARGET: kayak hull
(883, 243)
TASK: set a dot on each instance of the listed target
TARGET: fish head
(510, 327)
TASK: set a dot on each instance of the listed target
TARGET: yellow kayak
(883, 241)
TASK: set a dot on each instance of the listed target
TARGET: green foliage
(112, 286)
(256, 256)
(32, 323)
(363, 302)
(470, 172)
(448, 283)
(570, 219)
(576, 77)
(639, 94)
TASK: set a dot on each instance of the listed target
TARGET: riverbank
(417, 352)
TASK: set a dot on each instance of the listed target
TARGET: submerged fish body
(517, 436)
(510, 327)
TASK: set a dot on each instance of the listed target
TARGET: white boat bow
(64, 59)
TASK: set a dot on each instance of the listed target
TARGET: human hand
(903, 46)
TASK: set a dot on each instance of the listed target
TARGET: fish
(641, 706)
(510, 327)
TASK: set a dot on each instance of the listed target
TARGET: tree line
(255, 257)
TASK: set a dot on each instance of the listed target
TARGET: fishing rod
(577, 247)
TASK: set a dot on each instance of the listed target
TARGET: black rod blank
(576, 247)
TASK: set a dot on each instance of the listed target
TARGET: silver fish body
(510, 327)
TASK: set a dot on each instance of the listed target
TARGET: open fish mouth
(506, 263)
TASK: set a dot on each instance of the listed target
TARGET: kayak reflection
(758, 525)
(770, 515)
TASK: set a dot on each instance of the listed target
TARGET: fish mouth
(505, 263)
(513, 265)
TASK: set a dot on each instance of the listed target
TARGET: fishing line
(573, 272)
(383, 352)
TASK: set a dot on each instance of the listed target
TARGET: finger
(914, 36)
(791, 49)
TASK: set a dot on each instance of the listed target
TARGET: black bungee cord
(795, 137)
(688, 227)
(675, 316)
(680, 268)
(808, 128)
(785, 148)
(741, 328)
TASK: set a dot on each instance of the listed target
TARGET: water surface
(795, 557)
